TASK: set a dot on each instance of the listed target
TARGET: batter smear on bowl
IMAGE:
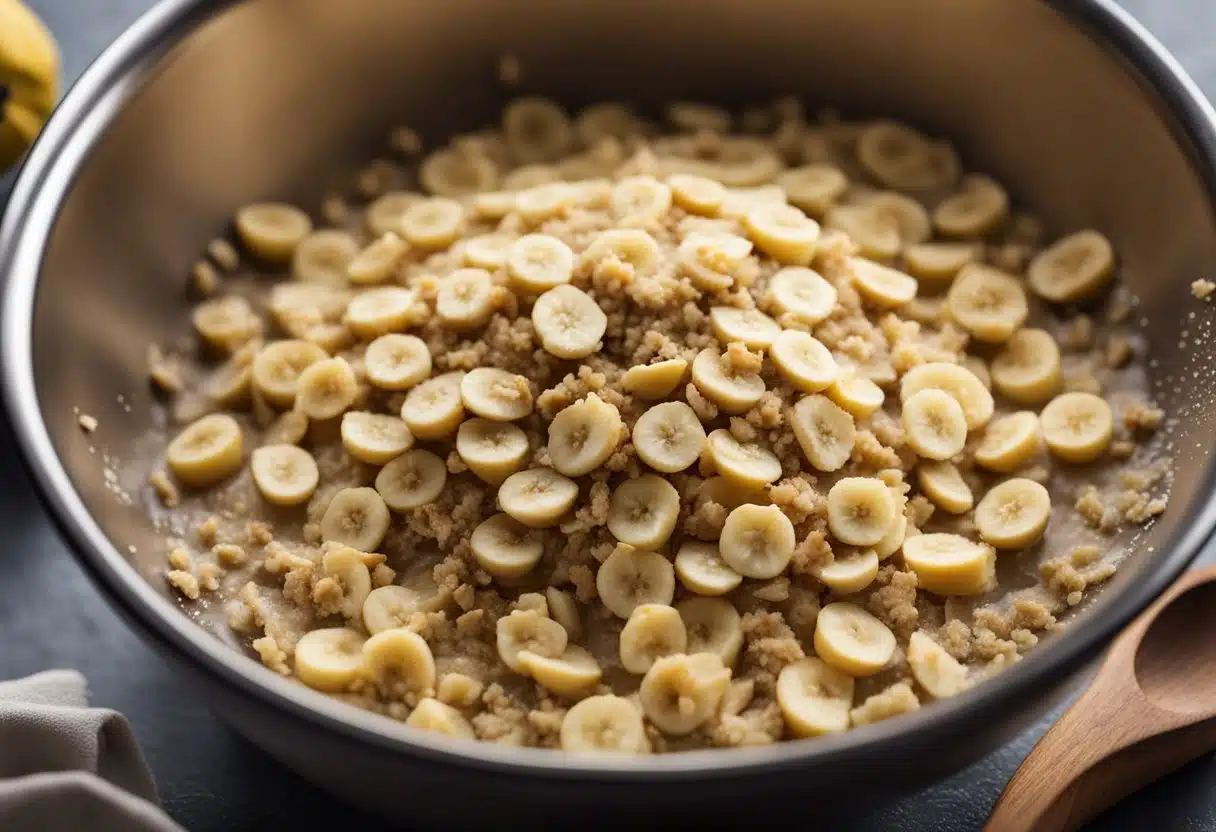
(599, 435)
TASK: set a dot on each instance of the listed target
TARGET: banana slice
(455, 173)
(323, 257)
(492, 450)
(538, 497)
(681, 692)
(934, 669)
(940, 262)
(397, 362)
(528, 631)
(538, 262)
(696, 194)
(655, 381)
(289, 428)
(1013, 514)
(303, 310)
(571, 674)
(894, 538)
(564, 610)
(347, 566)
(1009, 443)
(465, 299)
(496, 394)
(949, 564)
(643, 511)
(434, 716)
(988, 303)
(700, 568)
(584, 435)
(711, 260)
(860, 510)
(976, 210)
(505, 548)
(389, 607)
(631, 577)
(536, 130)
(901, 158)
(384, 215)
(412, 480)
(639, 200)
(432, 224)
(356, 517)
(284, 474)
(757, 541)
(529, 176)
(569, 322)
(632, 246)
(814, 188)
(207, 451)
(876, 235)
(374, 438)
(377, 261)
(399, 657)
(694, 117)
(825, 431)
(713, 626)
(376, 312)
(1027, 369)
(1077, 427)
(852, 640)
(934, 424)
(802, 293)
(492, 206)
(944, 485)
(734, 392)
(804, 361)
(814, 698)
(606, 120)
(543, 202)
(272, 230)
(849, 573)
(227, 322)
(1073, 269)
(855, 393)
(956, 380)
(748, 464)
(881, 285)
(604, 724)
(487, 251)
(435, 408)
(755, 329)
(652, 632)
(782, 232)
(329, 659)
(906, 215)
(326, 389)
(669, 437)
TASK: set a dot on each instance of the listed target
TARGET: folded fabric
(66, 766)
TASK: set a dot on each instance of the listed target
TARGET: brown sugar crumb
(869, 453)
(1077, 335)
(405, 140)
(1096, 513)
(894, 600)
(179, 558)
(458, 690)
(1203, 289)
(1118, 351)
(1122, 449)
(87, 423)
(184, 582)
(208, 531)
(223, 253)
(204, 280)
(894, 701)
(1138, 507)
(165, 489)
(383, 575)
(770, 645)
(1070, 575)
(258, 533)
(798, 498)
(956, 637)
(163, 371)
(775, 591)
(209, 577)
(758, 726)
(811, 554)
(503, 721)
(271, 654)
(229, 554)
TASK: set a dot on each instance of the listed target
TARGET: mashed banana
(612, 439)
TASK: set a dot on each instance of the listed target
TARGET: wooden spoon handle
(1110, 743)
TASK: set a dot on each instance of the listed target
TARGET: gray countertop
(211, 779)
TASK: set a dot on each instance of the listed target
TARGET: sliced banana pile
(653, 398)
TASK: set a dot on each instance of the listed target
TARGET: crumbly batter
(596, 434)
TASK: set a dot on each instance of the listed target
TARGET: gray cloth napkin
(66, 766)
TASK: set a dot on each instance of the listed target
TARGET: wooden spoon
(1150, 709)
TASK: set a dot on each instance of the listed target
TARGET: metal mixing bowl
(205, 105)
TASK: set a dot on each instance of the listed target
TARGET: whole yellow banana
(29, 79)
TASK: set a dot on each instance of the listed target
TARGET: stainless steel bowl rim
(47, 176)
